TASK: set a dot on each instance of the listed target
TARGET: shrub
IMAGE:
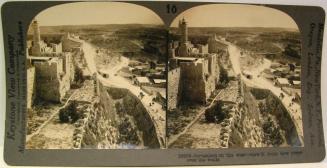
(210, 116)
(69, 113)
(216, 113)
(63, 116)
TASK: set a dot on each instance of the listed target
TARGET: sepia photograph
(234, 78)
(96, 77)
(147, 83)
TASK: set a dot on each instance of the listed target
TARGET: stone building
(185, 46)
(50, 70)
(71, 42)
(52, 78)
(194, 69)
(38, 47)
(199, 79)
(36, 44)
(215, 46)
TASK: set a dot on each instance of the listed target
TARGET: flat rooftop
(39, 58)
(159, 80)
(282, 80)
(142, 79)
(186, 58)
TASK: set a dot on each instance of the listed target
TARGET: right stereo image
(234, 80)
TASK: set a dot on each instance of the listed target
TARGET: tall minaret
(184, 46)
(36, 48)
(184, 32)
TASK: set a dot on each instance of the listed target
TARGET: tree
(69, 113)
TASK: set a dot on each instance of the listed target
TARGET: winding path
(156, 111)
(260, 82)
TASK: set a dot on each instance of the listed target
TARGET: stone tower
(36, 48)
(184, 44)
(184, 32)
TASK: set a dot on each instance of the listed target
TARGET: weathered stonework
(70, 43)
(114, 106)
(199, 70)
(174, 88)
(52, 82)
(245, 125)
(214, 46)
(30, 86)
(54, 69)
(199, 79)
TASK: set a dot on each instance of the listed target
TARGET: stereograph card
(162, 83)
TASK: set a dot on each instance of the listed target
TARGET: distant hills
(247, 29)
(114, 27)
(223, 30)
(90, 28)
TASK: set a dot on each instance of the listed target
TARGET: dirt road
(89, 55)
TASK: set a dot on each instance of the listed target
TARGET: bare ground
(200, 135)
(54, 135)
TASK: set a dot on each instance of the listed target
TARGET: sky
(212, 15)
(235, 15)
(81, 13)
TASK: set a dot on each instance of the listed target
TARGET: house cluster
(50, 67)
(286, 75)
(148, 74)
(193, 68)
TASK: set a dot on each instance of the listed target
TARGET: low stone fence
(234, 116)
(80, 126)
(227, 126)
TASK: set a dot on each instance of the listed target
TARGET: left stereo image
(96, 77)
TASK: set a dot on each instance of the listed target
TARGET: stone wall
(233, 126)
(68, 43)
(48, 69)
(30, 86)
(193, 82)
(47, 81)
(173, 88)
(106, 101)
(199, 79)
(52, 82)
(213, 74)
(215, 46)
(259, 119)
(246, 129)
(116, 109)
(98, 131)
(134, 107)
(283, 118)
